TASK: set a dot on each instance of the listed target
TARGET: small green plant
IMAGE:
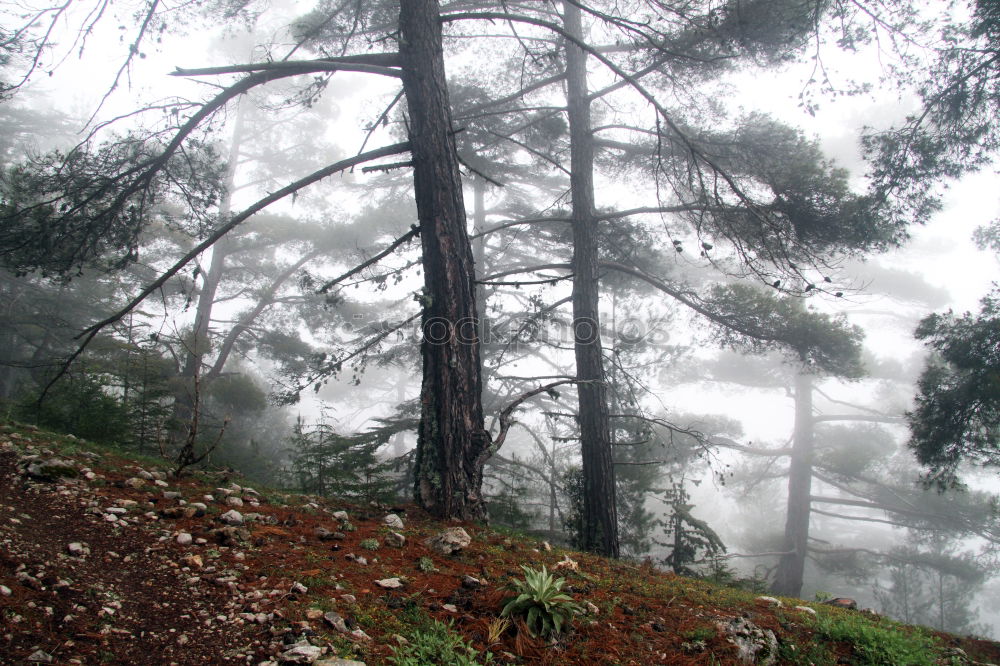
(369, 544)
(877, 644)
(699, 634)
(426, 564)
(437, 644)
(546, 610)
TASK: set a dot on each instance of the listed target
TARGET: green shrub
(546, 610)
(437, 644)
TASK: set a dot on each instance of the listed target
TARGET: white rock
(449, 541)
(77, 549)
(340, 515)
(232, 517)
(302, 653)
(806, 609)
(234, 501)
(390, 583)
(5, 591)
(184, 539)
(770, 601)
(394, 521)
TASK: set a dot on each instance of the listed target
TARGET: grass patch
(879, 644)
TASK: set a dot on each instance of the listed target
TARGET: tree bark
(452, 442)
(600, 516)
(788, 577)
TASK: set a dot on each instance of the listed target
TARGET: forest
(706, 284)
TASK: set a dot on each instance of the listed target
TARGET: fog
(300, 321)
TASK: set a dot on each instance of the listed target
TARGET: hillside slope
(105, 559)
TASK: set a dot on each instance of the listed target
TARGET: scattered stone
(234, 501)
(806, 609)
(194, 561)
(135, 483)
(5, 591)
(349, 598)
(770, 601)
(591, 608)
(78, 549)
(299, 588)
(395, 540)
(390, 583)
(340, 516)
(335, 621)
(394, 521)
(337, 661)
(546, 546)
(314, 613)
(449, 541)
(184, 539)
(755, 645)
(231, 536)
(40, 657)
(171, 495)
(451, 608)
(471, 582)
(301, 653)
(52, 469)
(232, 517)
(360, 635)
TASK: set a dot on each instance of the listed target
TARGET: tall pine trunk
(788, 578)
(452, 443)
(199, 343)
(600, 516)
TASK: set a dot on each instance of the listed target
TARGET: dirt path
(129, 600)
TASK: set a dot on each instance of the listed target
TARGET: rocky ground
(107, 560)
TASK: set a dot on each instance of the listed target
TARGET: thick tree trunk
(452, 443)
(600, 516)
(788, 578)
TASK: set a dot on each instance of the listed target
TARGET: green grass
(437, 644)
(881, 644)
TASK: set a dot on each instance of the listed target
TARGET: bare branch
(92, 331)
(412, 233)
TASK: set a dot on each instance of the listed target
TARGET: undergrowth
(437, 644)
